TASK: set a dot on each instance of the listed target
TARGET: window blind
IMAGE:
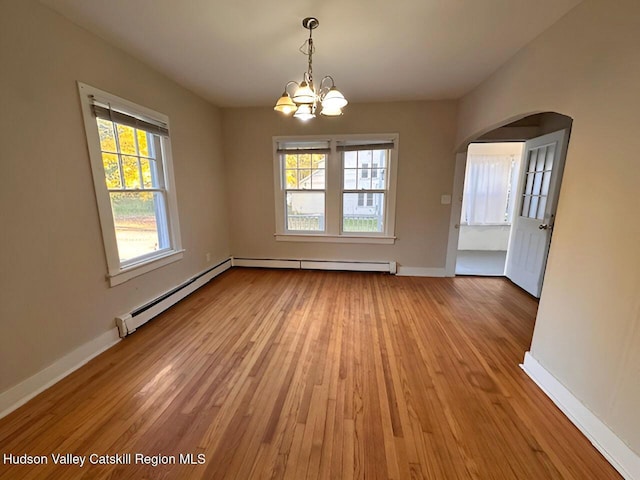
(369, 146)
(149, 125)
(303, 147)
(301, 151)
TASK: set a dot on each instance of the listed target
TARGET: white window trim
(323, 191)
(333, 192)
(116, 273)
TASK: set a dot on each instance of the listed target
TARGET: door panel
(538, 198)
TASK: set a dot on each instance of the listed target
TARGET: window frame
(334, 183)
(299, 189)
(119, 272)
(364, 172)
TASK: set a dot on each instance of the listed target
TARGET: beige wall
(53, 292)
(425, 171)
(587, 334)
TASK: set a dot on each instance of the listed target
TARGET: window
(537, 181)
(487, 198)
(340, 188)
(131, 163)
(364, 193)
(365, 170)
(361, 199)
(304, 185)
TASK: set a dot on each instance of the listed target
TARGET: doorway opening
(488, 203)
(504, 210)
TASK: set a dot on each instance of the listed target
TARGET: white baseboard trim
(316, 265)
(420, 272)
(21, 393)
(617, 453)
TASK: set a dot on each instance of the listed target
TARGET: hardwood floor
(299, 374)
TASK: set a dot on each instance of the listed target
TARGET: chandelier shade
(334, 99)
(285, 104)
(304, 94)
(302, 99)
(304, 112)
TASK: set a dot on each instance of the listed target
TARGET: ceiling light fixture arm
(289, 83)
(324, 89)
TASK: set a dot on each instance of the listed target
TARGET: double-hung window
(335, 188)
(131, 164)
(365, 186)
(304, 182)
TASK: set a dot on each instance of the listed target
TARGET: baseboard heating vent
(389, 267)
(129, 322)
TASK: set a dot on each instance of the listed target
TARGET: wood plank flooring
(323, 375)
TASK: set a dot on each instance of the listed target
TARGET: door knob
(544, 226)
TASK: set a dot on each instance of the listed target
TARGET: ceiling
(242, 52)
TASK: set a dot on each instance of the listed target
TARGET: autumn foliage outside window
(133, 174)
(131, 164)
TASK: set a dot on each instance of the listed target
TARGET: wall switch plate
(445, 199)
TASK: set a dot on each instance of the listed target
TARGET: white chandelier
(305, 99)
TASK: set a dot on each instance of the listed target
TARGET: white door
(540, 177)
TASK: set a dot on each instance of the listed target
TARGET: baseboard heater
(129, 322)
(389, 267)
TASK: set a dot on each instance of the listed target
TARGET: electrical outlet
(208, 257)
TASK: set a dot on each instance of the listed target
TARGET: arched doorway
(534, 193)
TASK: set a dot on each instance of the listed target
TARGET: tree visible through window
(133, 174)
(130, 153)
(305, 191)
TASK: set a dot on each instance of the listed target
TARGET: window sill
(133, 271)
(296, 237)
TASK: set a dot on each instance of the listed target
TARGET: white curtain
(486, 189)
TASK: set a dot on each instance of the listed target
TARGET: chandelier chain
(310, 67)
(307, 48)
